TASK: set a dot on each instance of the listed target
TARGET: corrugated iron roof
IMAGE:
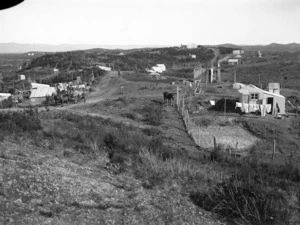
(233, 60)
(42, 92)
(252, 89)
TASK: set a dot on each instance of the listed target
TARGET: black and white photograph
(150, 112)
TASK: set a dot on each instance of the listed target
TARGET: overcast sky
(151, 22)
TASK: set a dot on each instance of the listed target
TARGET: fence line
(192, 128)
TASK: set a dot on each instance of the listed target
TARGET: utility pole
(259, 80)
(206, 78)
(225, 107)
(234, 77)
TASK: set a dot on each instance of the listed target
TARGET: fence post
(215, 143)
(199, 135)
(225, 107)
(177, 90)
(274, 147)
(182, 106)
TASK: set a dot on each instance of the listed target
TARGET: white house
(252, 95)
(22, 77)
(105, 68)
(191, 45)
(192, 56)
(158, 68)
(238, 52)
(233, 61)
(56, 71)
(4, 96)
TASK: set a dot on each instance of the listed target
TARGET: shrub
(7, 103)
(152, 114)
(204, 122)
(218, 153)
(20, 122)
(236, 199)
(129, 115)
(151, 131)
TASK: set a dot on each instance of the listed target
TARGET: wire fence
(192, 128)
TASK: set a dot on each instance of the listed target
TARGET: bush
(7, 103)
(236, 199)
(152, 114)
(204, 122)
(20, 122)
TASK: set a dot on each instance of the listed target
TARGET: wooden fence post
(215, 143)
(225, 107)
(274, 147)
(177, 90)
(199, 136)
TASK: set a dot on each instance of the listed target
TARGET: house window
(254, 96)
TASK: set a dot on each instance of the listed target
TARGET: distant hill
(22, 48)
(274, 47)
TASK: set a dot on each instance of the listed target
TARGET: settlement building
(4, 96)
(234, 61)
(40, 91)
(105, 68)
(252, 97)
(238, 52)
(158, 68)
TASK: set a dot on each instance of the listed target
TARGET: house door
(270, 101)
(245, 99)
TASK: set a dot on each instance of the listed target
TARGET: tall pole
(234, 77)
(206, 78)
(225, 107)
(259, 80)
(177, 96)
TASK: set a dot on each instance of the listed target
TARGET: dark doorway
(270, 101)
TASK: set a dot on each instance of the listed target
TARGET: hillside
(132, 60)
(22, 47)
(273, 47)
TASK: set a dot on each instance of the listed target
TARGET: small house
(105, 68)
(191, 45)
(238, 52)
(158, 68)
(234, 61)
(193, 56)
(56, 71)
(251, 94)
(4, 96)
(21, 77)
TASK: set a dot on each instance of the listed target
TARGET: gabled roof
(266, 92)
(252, 89)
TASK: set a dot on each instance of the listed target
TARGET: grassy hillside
(140, 58)
(273, 47)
